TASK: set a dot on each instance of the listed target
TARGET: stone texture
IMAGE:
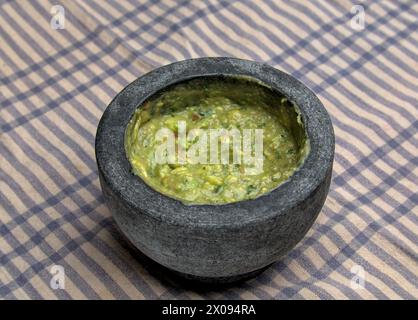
(218, 243)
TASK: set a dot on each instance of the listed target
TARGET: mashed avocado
(202, 105)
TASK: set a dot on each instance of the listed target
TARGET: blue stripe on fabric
(80, 89)
(350, 171)
(88, 236)
(295, 54)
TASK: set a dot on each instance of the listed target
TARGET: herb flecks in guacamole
(205, 104)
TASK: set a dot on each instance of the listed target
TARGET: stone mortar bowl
(214, 243)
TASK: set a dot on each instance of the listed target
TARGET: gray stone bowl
(214, 243)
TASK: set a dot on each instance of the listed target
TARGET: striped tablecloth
(61, 66)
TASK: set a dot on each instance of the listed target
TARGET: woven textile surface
(56, 80)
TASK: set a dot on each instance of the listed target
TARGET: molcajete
(225, 240)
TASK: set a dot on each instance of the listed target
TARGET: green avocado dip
(206, 122)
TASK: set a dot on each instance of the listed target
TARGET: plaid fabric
(55, 84)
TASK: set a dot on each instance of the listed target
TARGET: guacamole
(242, 112)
